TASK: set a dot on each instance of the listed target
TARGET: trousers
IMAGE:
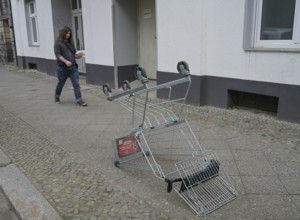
(63, 73)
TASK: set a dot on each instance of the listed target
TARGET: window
(77, 24)
(272, 24)
(3, 7)
(32, 23)
(76, 4)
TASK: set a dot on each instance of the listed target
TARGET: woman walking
(66, 56)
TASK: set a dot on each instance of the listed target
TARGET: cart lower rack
(161, 141)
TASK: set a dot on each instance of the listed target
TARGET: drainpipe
(114, 45)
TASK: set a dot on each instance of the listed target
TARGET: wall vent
(253, 101)
(32, 66)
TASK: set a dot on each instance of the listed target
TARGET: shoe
(57, 100)
(81, 103)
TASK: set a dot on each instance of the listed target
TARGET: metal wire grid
(201, 195)
(143, 159)
(177, 139)
(169, 148)
(138, 163)
(155, 114)
(162, 148)
(204, 190)
(149, 111)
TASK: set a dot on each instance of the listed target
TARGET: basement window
(32, 66)
(253, 101)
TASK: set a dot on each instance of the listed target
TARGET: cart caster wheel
(117, 164)
(126, 85)
(141, 75)
(183, 68)
(147, 153)
(106, 89)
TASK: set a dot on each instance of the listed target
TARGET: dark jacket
(66, 50)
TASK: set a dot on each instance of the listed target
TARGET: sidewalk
(66, 153)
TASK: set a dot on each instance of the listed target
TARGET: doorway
(147, 47)
(134, 26)
(78, 36)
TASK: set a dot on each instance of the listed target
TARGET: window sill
(34, 45)
(263, 49)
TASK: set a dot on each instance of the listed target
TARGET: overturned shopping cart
(162, 141)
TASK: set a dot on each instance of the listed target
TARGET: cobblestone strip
(74, 190)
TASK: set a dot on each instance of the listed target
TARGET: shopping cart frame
(167, 145)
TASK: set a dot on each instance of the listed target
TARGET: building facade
(240, 53)
(7, 46)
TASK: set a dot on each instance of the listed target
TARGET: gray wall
(62, 15)
(214, 91)
(125, 39)
(125, 32)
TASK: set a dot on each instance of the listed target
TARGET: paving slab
(4, 160)
(29, 203)
(7, 211)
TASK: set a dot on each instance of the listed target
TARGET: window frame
(32, 18)
(252, 29)
(78, 5)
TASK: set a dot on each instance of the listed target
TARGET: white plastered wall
(98, 34)
(208, 34)
(178, 36)
(97, 22)
(45, 27)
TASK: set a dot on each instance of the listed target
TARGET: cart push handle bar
(143, 89)
(141, 75)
